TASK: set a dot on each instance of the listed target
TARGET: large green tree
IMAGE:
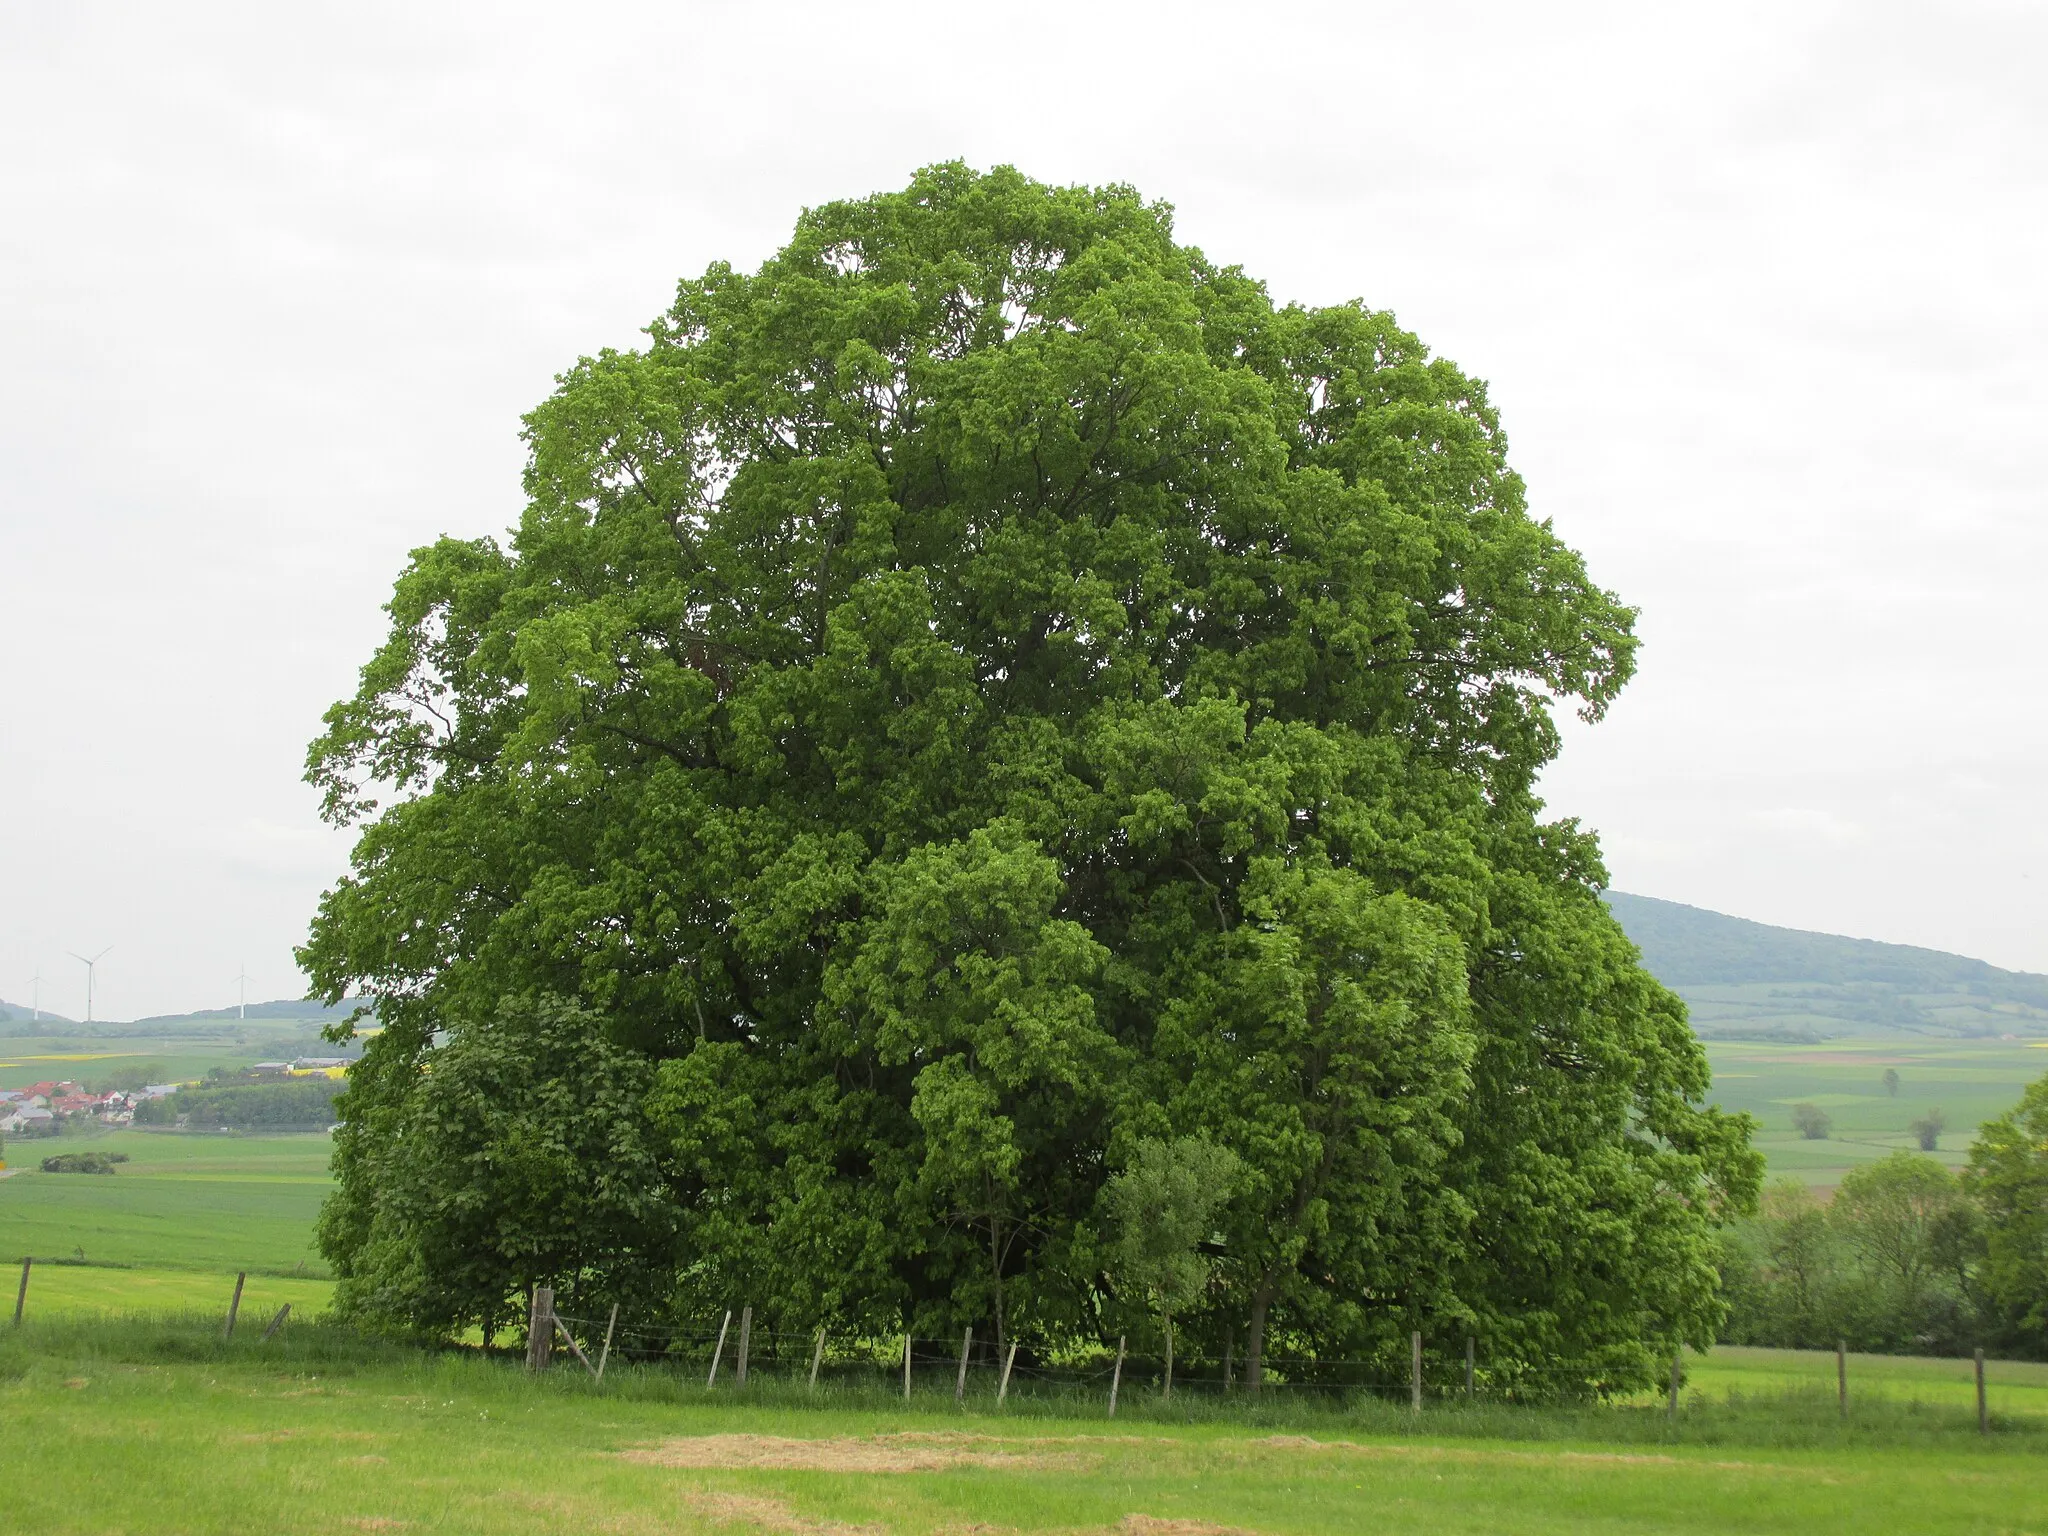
(989, 687)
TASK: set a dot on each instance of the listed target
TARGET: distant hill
(307, 1009)
(18, 1022)
(24, 1011)
(1747, 979)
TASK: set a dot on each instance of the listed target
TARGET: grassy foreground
(159, 1427)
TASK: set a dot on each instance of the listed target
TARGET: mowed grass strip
(182, 1200)
(124, 1430)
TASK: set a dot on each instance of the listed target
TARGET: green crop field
(1969, 1080)
(183, 1200)
(160, 1429)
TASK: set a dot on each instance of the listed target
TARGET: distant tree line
(1908, 1256)
(245, 1105)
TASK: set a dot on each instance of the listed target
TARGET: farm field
(1969, 1080)
(183, 1201)
(314, 1432)
(86, 1058)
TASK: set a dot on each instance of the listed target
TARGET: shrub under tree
(987, 687)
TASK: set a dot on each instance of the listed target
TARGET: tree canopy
(988, 688)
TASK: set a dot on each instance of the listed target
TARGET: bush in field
(83, 1162)
(1811, 1121)
(1928, 1128)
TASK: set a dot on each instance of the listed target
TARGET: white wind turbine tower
(36, 995)
(242, 1004)
(88, 964)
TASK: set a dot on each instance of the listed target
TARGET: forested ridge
(986, 694)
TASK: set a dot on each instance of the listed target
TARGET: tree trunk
(1169, 1352)
(1255, 1337)
(995, 1267)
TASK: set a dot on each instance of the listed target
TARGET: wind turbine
(243, 1005)
(36, 996)
(88, 964)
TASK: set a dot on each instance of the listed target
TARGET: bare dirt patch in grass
(881, 1453)
(1159, 1525)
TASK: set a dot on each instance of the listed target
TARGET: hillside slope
(1749, 980)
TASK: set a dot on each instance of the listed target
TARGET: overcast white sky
(1759, 289)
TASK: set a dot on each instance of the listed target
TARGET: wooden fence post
(817, 1359)
(1009, 1360)
(532, 1326)
(606, 1353)
(276, 1322)
(1415, 1370)
(906, 1367)
(1117, 1378)
(544, 1305)
(1842, 1375)
(960, 1381)
(1983, 1409)
(21, 1296)
(746, 1337)
(235, 1306)
(1671, 1411)
(1471, 1353)
(719, 1350)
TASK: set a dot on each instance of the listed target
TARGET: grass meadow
(147, 1427)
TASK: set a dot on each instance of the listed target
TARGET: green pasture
(57, 1290)
(2012, 1388)
(163, 1428)
(1969, 1080)
(184, 1200)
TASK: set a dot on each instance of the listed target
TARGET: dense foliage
(985, 690)
(1907, 1257)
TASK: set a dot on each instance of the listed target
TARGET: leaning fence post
(1009, 1359)
(276, 1322)
(960, 1381)
(719, 1349)
(1471, 1351)
(1983, 1409)
(1671, 1411)
(235, 1306)
(1117, 1378)
(606, 1353)
(21, 1296)
(1842, 1375)
(817, 1359)
(1415, 1370)
(906, 1367)
(746, 1336)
